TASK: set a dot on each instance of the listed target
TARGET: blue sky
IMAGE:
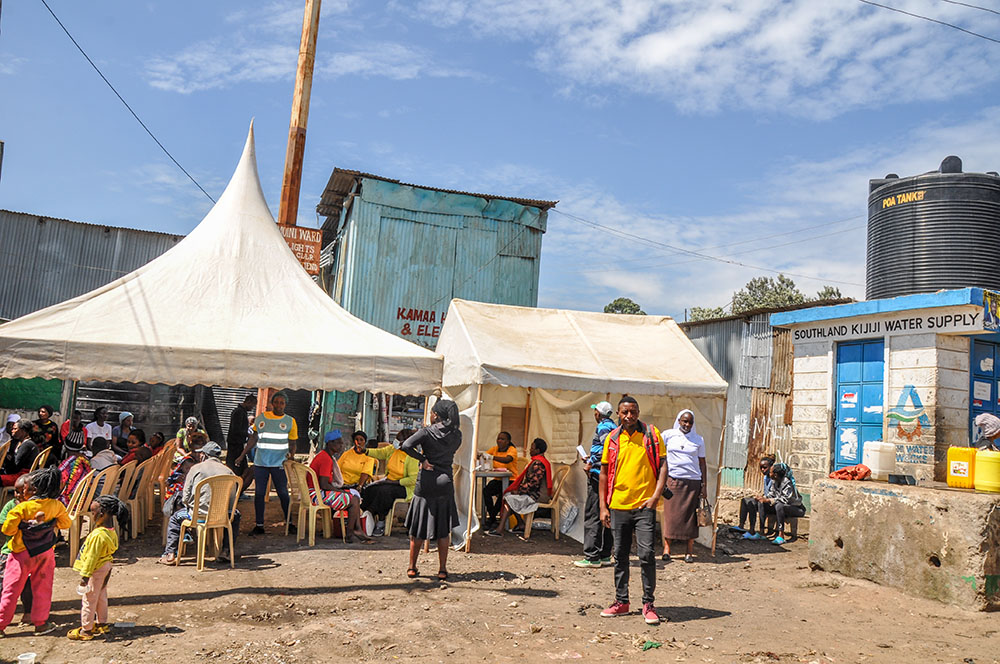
(714, 126)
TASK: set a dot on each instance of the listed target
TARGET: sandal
(412, 573)
(102, 628)
(163, 560)
(665, 557)
(442, 575)
(689, 558)
(79, 635)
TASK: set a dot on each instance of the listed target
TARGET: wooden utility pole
(292, 180)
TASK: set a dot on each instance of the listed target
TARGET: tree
(766, 293)
(829, 293)
(705, 313)
(623, 305)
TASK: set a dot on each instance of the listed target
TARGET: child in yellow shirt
(32, 527)
(94, 566)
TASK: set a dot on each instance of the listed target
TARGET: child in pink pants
(32, 526)
(94, 566)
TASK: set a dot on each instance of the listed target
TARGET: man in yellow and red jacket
(633, 474)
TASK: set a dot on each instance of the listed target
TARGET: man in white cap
(5, 433)
(597, 540)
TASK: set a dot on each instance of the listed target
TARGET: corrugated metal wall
(401, 267)
(56, 259)
(755, 359)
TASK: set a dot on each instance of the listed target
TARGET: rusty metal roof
(746, 315)
(342, 181)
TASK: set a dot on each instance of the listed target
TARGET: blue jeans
(280, 480)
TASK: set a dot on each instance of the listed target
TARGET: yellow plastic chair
(126, 474)
(392, 514)
(294, 492)
(140, 500)
(225, 490)
(310, 505)
(40, 460)
(109, 486)
(162, 471)
(553, 504)
(79, 509)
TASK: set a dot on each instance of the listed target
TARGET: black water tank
(934, 231)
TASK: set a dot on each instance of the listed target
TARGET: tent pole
(472, 468)
(527, 419)
(718, 483)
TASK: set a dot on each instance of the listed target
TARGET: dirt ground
(507, 601)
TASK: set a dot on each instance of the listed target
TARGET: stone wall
(812, 390)
(936, 543)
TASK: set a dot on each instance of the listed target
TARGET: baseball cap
(333, 435)
(211, 449)
(603, 407)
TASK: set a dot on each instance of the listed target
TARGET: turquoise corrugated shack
(395, 254)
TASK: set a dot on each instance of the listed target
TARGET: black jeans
(749, 508)
(624, 523)
(280, 481)
(783, 512)
(598, 541)
(492, 498)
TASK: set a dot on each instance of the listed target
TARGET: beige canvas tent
(229, 305)
(535, 372)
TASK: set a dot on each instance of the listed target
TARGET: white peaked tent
(547, 366)
(229, 305)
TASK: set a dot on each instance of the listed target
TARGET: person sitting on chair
(524, 493)
(750, 506)
(401, 470)
(332, 492)
(211, 465)
(21, 453)
(358, 468)
(784, 498)
(504, 455)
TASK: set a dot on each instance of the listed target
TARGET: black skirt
(433, 512)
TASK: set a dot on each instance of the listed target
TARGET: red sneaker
(650, 614)
(615, 610)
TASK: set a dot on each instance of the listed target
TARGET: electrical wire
(738, 253)
(696, 254)
(122, 99)
(932, 20)
(966, 4)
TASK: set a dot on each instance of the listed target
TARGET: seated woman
(524, 493)
(73, 468)
(137, 448)
(749, 506)
(331, 486)
(358, 468)
(783, 498)
(156, 442)
(401, 476)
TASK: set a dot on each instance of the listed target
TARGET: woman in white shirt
(99, 428)
(686, 480)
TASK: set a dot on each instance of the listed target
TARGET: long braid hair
(46, 482)
(114, 508)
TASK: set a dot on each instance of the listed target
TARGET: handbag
(705, 513)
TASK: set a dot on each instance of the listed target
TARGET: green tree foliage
(829, 293)
(623, 305)
(704, 313)
(766, 292)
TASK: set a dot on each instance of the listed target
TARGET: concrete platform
(932, 542)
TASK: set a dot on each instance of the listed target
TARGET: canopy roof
(571, 350)
(229, 305)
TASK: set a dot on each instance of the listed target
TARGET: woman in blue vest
(433, 512)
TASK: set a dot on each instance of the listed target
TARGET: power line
(639, 238)
(966, 4)
(122, 99)
(738, 253)
(932, 20)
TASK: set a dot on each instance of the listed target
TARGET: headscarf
(988, 424)
(447, 412)
(676, 429)
(124, 415)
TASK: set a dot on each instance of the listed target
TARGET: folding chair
(225, 490)
(553, 504)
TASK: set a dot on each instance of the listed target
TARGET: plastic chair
(294, 491)
(109, 485)
(225, 490)
(79, 509)
(3, 452)
(140, 500)
(392, 514)
(311, 506)
(39, 462)
(162, 471)
(7, 490)
(553, 504)
(127, 476)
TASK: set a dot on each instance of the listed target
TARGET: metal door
(860, 375)
(985, 394)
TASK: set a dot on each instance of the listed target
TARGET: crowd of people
(630, 468)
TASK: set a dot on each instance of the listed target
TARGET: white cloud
(810, 58)
(10, 64)
(263, 44)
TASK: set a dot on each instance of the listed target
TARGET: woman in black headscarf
(433, 512)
